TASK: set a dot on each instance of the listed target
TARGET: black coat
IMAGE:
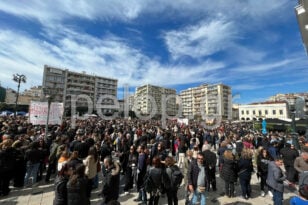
(245, 168)
(111, 182)
(289, 155)
(193, 173)
(210, 159)
(77, 193)
(229, 170)
(60, 191)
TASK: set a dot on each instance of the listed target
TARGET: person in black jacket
(33, 157)
(7, 164)
(210, 161)
(131, 169)
(156, 173)
(245, 171)
(77, 187)
(263, 160)
(60, 186)
(289, 154)
(111, 180)
(198, 187)
(229, 172)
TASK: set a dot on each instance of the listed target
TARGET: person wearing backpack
(173, 180)
(154, 173)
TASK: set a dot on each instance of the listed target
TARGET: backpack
(176, 176)
(148, 183)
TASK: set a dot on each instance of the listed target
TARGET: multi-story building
(148, 97)
(2, 94)
(34, 92)
(25, 97)
(256, 111)
(207, 99)
(291, 99)
(64, 85)
(186, 97)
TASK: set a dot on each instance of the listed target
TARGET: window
(253, 112)
(274, 112)
(280, 112)
(260, 112)
(266, 112)
(242, 112)
(247, 112)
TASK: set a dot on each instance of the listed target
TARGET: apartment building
(149, 99)
(207, 99)
(291, 99)
(256, 111)
(25, 97)
(64, 85)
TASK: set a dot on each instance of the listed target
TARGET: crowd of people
(144, 150)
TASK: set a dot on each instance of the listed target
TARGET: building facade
(66, 86)
(207, 99)
(291, 99)
(151, 99)
(256, 111)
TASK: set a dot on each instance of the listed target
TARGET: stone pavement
(43, 194)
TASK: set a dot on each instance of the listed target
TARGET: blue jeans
(198, 196)
(277, 197)
(32, 170)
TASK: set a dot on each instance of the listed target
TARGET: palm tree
(19, 78)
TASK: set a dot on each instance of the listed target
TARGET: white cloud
(201, 40)
(59, 10)
(110, 57)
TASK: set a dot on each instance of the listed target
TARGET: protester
(61, 186)
(302, 198)
(245, 170)
(111, 180)
(229, 172)
(197, 180)
(263, 160)
(77, 187)
(275, 179)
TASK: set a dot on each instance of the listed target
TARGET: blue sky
(253, 46)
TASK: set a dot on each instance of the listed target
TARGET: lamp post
(49, 98)
(293, 132)
(19, 78)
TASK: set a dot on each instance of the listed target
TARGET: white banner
(183, 121)
(38, 113)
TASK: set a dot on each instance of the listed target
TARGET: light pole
(19, 78)
(294, 133)
(49, 98)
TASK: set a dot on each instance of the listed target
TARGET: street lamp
(49, 98)
(19, 78)
(293, 132)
